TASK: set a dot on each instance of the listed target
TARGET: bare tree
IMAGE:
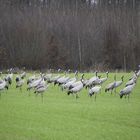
(70, 34)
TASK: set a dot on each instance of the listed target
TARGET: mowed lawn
(62, 117)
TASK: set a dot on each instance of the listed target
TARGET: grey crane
(127, 90)
(40, 90)
(118, 83)
(110, 86)
(95, 90)
(77, 88)
(19, 84)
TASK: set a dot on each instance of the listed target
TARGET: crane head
(96, 72)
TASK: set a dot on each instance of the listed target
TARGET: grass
(62, 117)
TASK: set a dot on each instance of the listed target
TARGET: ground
(60, 116)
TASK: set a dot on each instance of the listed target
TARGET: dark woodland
(75, 34)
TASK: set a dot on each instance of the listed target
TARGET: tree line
(75, 34)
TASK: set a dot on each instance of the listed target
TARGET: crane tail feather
(69, 92)
(121, 96)
(106, 90)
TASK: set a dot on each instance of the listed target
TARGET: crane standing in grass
(127, 90)
(70, 82)
(40, 90)
(110, 86)
(102, 80)
(23, 75)
(8, 78)
(35, 83)
(94, 91)
(19, 84)
(118, 83)
(3, 85)
(92, 80)
(131, 81)
(76, 89)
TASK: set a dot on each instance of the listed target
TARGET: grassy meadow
(62, 117)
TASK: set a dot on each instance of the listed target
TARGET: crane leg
(77, 96)
(95, 97)
(72, 95)
(62, 88)
(128, 98)
(42, 97)
(20, 89)
(115, 91)
(29, 93)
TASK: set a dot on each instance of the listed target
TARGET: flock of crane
(72, 85)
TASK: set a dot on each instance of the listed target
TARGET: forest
(70, 34)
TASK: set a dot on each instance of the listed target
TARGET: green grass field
(62, 117)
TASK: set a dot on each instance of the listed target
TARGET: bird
(10, 75)
(118, 83)
(96, 82)
(76, 89)
(56, 77)
(52, 79)
(35, 83)
(1, 80)
(70, 81)
(19, 84)
(30, 79)
(134, 76)
(40, 90)
(48, 77)
(127, 90)
(92, 80)
(102, 80)
(110, 86)
(18, 78)
(62, 79)
(94, 90)
(8, 78)
(23, 75)
(138, 73)
(77, 83)
(131, 82)
(3, 85)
